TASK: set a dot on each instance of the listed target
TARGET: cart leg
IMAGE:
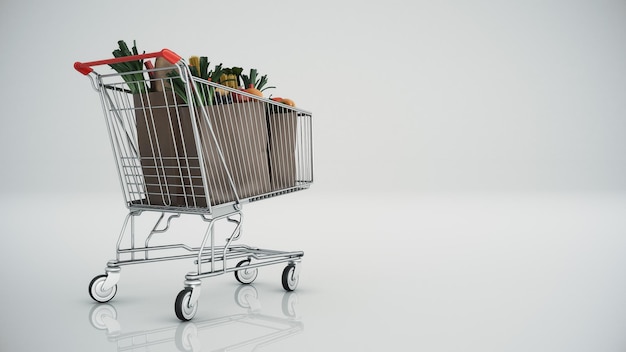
(113, 277)
(195, 289)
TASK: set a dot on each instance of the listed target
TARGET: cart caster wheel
(290, 278)
(246, 275)
(98, 293)
(184, 308)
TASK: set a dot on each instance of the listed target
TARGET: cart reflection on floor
(254, 328)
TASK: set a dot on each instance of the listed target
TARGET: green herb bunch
(131, 71)
(254, 82)
(205, 91)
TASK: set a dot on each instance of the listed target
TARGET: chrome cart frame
(185, 146)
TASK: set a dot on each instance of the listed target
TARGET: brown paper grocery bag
(167, 167)
(170, 160)
(241, 132)
(282, 125)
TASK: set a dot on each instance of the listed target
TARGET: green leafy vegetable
(131, 71)
(252, 80)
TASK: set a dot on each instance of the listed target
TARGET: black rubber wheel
(244, 275)
(184, 311)
(290, 278)
(97, 293)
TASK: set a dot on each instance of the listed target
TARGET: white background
(469, 170)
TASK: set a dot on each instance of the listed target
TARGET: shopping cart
(188, 146)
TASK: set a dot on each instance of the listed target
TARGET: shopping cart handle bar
(86, 67)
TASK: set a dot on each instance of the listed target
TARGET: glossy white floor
(416, 272)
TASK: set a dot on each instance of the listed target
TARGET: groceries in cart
(262, 148)
(195, 138)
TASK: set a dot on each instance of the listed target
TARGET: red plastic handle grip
(86, 67)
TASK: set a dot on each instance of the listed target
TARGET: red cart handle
(86, 67)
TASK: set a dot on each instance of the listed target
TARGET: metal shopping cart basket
(187, 146)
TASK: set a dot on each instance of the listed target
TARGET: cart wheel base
(184, 307)
(102, 291)
(290, 277)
